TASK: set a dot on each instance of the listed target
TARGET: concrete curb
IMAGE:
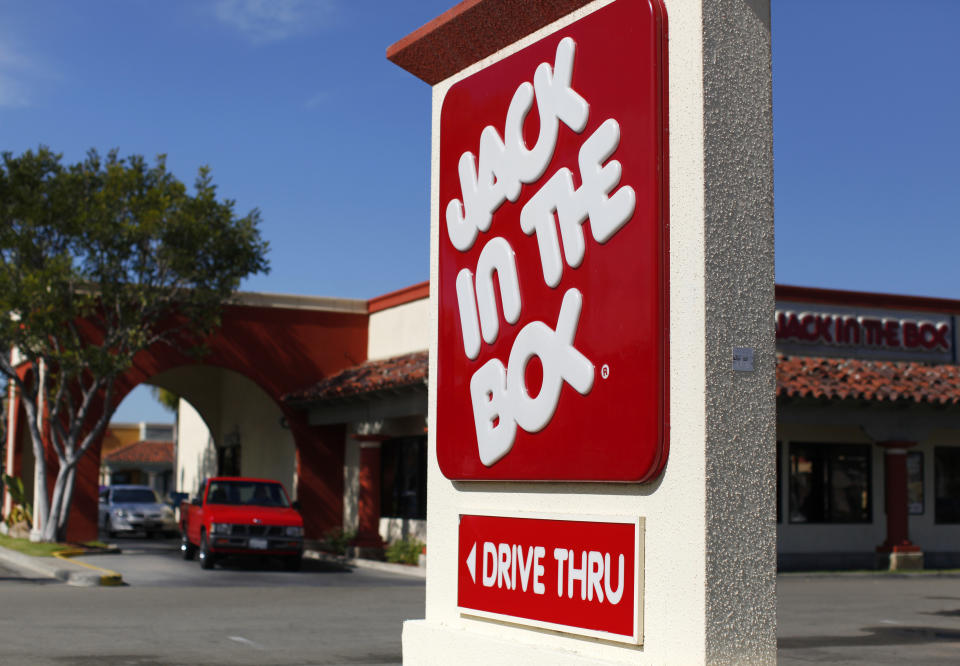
(359, 563)
(59, 567)
(107, 577)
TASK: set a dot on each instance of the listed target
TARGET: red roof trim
(414, 292)
(470, 31)
(865, 299)
(784, 292)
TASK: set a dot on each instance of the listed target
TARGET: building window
(946, 471)
(830, 483)
(915, 482)
(403, 478)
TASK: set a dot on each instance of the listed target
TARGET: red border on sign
(637, 449)
(552, 609)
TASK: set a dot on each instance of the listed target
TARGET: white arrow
(472, 562)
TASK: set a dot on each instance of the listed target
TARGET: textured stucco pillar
(710, 532)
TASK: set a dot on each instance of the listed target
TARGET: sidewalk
(59, 568)
(399, 569)
(85, 575)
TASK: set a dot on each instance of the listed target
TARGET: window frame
(826, 453)
(937, 450)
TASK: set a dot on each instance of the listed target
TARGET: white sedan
(134, 509)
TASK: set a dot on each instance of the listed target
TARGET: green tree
(167, 399)
(99, 261)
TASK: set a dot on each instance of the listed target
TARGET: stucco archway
(271, 346)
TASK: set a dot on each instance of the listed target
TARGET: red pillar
(895, 490)
(368, 501)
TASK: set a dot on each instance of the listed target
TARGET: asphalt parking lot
(252, 612)
(172, 612)
(874, 619)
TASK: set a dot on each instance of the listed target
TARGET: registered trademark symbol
(605, 371)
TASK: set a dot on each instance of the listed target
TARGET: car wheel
(108, 528)
(207, 559)
(292, 563)
(187, 549)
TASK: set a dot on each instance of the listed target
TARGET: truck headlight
(220, 528)
(294, 531)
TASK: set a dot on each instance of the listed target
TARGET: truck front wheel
(207, 559)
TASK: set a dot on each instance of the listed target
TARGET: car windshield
(134, 496)
(256, 493)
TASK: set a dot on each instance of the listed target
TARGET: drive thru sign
(576, 576)
(552, 276)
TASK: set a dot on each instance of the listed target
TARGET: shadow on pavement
(271, 564)
(893, 635)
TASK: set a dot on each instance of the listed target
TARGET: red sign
(886, 332)
(568, 575)
(553, 265)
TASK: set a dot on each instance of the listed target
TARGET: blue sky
(297, 111)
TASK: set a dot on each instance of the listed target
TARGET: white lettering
(607, 214)
(560, 555)
(561, 363)
(538, 586)
(612, 596)
(504, 166)
(469, 325)
(500, 398)
(524, 565)
(594, 576)
(497, 257)
(573, 573)
(489, 558)
(503, 564)
(492, 412)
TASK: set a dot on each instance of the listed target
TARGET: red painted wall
(282, 350)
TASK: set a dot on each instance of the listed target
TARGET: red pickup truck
(241, 516)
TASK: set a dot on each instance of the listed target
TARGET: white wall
(399, 330)
(267, 446)
(219, 404)
(196, 457)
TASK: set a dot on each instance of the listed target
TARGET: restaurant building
(868, 423)
(868, 428)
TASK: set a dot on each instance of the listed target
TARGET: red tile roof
(797, 377)
(369, 377)
(855, 379)
(145, 452)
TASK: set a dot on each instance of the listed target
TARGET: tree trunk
(67, 502)
(41, 510)
(51, 528)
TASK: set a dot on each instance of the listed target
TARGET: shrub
(337, 541)
(405, 551)
(22, 511)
